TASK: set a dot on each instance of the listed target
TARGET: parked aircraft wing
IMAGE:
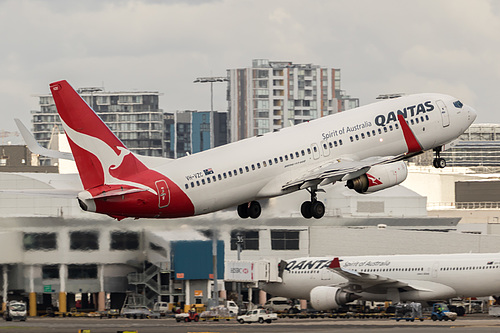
(369, 282)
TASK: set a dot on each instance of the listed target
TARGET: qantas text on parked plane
(364, 147)
(329, 284)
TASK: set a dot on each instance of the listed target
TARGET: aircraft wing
(369, 282)
(340, 169)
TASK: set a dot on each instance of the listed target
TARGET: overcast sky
(382, 46)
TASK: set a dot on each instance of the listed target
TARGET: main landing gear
(250, 209)
(313, 208)
(438, 161)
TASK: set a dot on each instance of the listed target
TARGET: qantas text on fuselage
(364, 147)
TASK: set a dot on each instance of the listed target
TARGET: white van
(161, 307)
(278, 304)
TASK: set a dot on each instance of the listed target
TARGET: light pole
(211, 80)
(240, 240)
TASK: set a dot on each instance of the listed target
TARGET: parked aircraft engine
(327, 298)
(379, 177)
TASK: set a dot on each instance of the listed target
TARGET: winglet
(335, 264)
(411, 141)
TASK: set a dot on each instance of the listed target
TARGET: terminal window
(284, 240)
(43, 241)
(250, 239)
(82, 271)
(50, 272)
(84, 240)
(124, 240)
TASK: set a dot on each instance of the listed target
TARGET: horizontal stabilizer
(35, 148)
(117, 192)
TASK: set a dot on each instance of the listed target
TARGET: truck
(15, 310)
(257, 315)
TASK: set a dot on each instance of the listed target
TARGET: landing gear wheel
(254, 209)
(438, 162)
(306, 210)
(318, 209)
(243, 211)
(250, 209)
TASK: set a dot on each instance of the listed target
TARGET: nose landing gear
(438, 161)
(313, 208)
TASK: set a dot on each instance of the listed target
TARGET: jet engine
(327, 298)
(379, 177)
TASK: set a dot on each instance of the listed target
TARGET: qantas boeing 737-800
(364, 147)
(328, 284)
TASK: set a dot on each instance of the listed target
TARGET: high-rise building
(275, 94)
(194, 131)
(135, 117)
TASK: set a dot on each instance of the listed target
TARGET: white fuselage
(247, 170)
(434, 276)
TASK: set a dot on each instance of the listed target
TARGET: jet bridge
(252, 271)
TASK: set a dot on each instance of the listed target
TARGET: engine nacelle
(328, 298)
(379, 177)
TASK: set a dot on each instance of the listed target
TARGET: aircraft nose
(472, 114)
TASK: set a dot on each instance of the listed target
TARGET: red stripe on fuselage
(411, 141)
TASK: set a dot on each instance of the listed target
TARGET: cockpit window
(458, 104)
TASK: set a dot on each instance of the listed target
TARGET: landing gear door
(445, 116)
(163, 193)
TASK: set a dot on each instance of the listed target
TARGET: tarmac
(471, 323)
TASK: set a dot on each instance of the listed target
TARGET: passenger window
(197, 183)
(309, 151)
(225, 176)
(315, 149)
(357, 137)
(270, 162)
(219, 176)
(258, 165)
(291, 156)
(379, 131)
(281, 158)
(396, 125)
(390, 127)
(373, 133)
(362, 135)
(208, 180)
(422, 118)
(335, 143)
(426, 117)
(192, 184)
(247, 169)
(340, 142)
(297, 154)
(187, 186)
(385, 129)
(229, 174)
(241, 171)
(264, 163)
(325, 146)
(368, 134)
(286, 157)
(303, 152)
(235, 172)
(253, 166)
(276, 160)
(411, 121)
(213, 177)
(330, 144)
(352, 140)
(203, 181)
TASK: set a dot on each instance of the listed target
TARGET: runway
(472, 323)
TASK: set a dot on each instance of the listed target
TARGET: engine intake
(379, 177)
(328, 298)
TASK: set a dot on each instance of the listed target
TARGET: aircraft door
(435, 269)
(163, 193)
(445, 116)
(315, 150)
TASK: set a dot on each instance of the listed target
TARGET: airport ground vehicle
(440, 312)
(138, 311)
(408, 312)
(15, 310)
(192, 315)
(279, 304)
(257, 315)
(161, 307)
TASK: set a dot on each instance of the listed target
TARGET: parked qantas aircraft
(364, 147)
(329, 284)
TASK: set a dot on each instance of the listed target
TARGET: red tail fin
(99, 155)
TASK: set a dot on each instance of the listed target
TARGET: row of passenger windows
(253, 167)
(467, 268)
(297, 154)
